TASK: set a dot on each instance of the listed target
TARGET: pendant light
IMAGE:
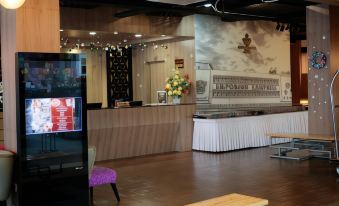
(12, 4)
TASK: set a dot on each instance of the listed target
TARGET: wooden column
(322, 35)
(296, 72)
(32, 28)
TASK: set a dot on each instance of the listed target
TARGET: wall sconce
(304, 102)
(12, 4)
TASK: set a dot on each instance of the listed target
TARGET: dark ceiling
(289, 12)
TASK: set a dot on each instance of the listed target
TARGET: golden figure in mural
(247, 42)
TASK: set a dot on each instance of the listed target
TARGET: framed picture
(162, 97)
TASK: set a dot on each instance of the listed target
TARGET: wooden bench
(304, 146)
(232, 200)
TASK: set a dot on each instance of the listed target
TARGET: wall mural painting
(286, 89)
(244, 87)
(247, 48)
(250, 49)
(203, 75)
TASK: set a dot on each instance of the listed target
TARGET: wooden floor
(182, 178)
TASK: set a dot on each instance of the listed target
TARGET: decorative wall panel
(245, 49)
(119, 75)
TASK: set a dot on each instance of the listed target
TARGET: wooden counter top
(146, 105)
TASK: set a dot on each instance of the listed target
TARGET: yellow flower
(180, 88)
(168, 86)
(182, 79)
(177, 72)
(170, 93)
(175, 92)
(176, 77)
(179, 93)
(175, 83)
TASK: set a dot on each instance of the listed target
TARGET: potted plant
(177, 86)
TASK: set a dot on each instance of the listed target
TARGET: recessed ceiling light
(138, 35)
(115, 33)
(207, 5)
(61, 30)
(163, 35)
(92, 33)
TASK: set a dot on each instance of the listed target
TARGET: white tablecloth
(218, 135)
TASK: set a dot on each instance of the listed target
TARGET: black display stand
(52, 166)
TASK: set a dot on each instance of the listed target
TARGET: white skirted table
(220, 135)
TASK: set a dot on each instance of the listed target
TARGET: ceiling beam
(132, 12)
(330, 2)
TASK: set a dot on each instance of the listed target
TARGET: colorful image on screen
(53, 115)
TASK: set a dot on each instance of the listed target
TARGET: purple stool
(103, 176)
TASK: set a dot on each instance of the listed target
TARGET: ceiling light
(61, 30)
(12, 4)
(163, 35)
(115, 33)
(92, 33)
(207, 5)
(138, 35)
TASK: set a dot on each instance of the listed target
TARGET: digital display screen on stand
(52, 136)
(52, 115)
(52, 99)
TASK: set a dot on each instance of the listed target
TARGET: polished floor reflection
(181, 178)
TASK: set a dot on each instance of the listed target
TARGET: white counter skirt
(220, 135)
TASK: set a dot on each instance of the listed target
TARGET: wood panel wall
(322, 33)
(1, 129)
(102, 19)
(299, 70)
(32, 28)
(130, 132)
(96, 77)
(38, 26)
(295, 72)
(152, 66)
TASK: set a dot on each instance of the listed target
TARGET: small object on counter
(135, 103)
(122, 104)
(129, 104)
(94, 105)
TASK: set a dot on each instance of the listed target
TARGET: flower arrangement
(177, 85)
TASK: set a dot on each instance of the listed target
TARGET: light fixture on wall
(12, 4)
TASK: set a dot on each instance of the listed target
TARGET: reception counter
(131, 132)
